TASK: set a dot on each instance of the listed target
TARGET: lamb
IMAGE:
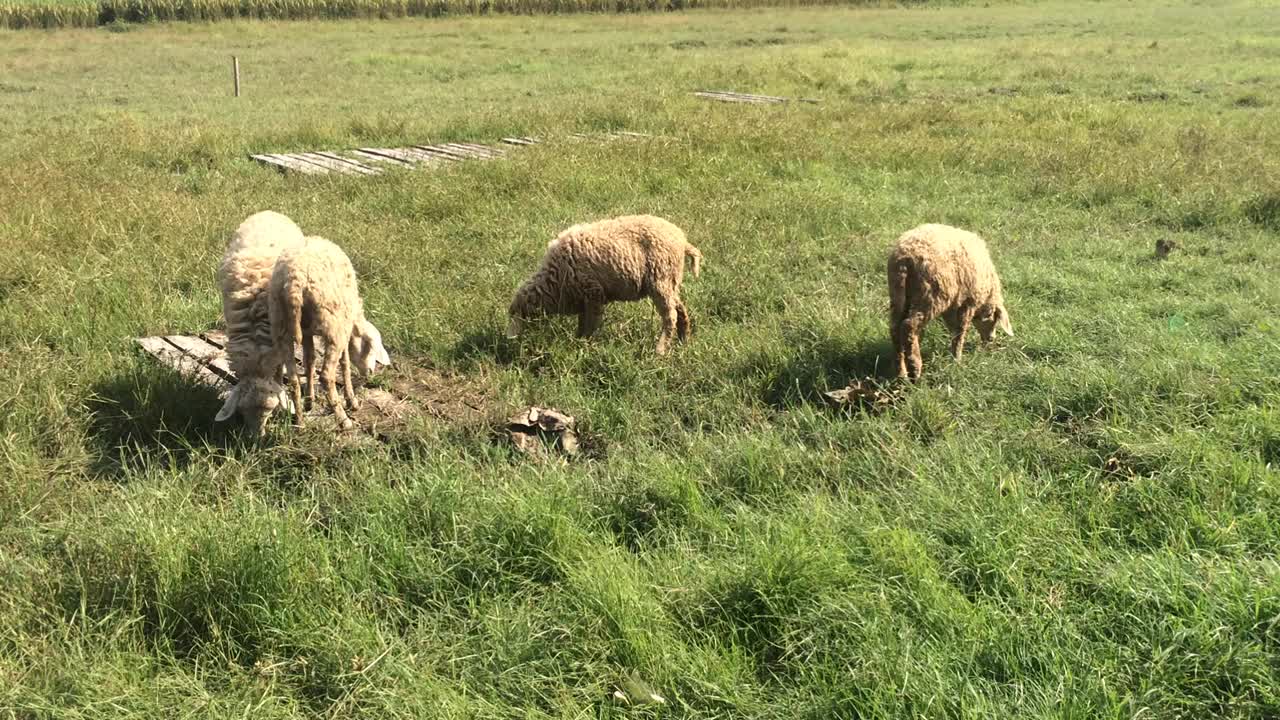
(243, 276)
(941, 270)
(313, 292)
(615, 260)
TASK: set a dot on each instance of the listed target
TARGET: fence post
(235, 69)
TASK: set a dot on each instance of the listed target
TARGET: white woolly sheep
(616, 260)
(243, 277)
(941, 270)
(314, 293)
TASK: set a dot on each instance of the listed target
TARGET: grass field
(1078, 522)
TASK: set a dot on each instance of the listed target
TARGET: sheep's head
(255, 399)
(524, 306)
(991, 317)
(365, 350)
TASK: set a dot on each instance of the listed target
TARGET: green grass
(1079, 522)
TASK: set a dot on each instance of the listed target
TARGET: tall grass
(18, 15)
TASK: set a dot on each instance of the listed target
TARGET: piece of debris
(534, 430)
(635, 691)
(1164, 247)
(866, 395)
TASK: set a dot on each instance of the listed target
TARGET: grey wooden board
(292, 163)
(520, 140)
(338, 158)
(211, 356)
(725, 96)
(379, 158)
(481, 150)
(394, 154)
(442, 152)
(338, 166)
(203, 357)
(186, 365)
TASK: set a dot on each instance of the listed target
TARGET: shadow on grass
(485, 344)
(153, 413)
(821, 365)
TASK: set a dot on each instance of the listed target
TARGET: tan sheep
(243, 277)
(313, 293)
(941, 270)
(616, 260)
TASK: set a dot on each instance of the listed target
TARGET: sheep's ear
(513, 329)
(229, 406)
(383, 357)
(1005, 325)
(286, 402)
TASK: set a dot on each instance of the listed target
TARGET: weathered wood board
(735, 97)
(373, 161)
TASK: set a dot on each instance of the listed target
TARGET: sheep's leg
(328, 376)
(309, 366)
(897, 333)
(589, 319)
(295, 386)
(666, 306)
(347, 389)
(962, 319)
(911, 328)
(684, 326)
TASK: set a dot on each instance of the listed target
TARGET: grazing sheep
(243, 277)
(616, 260)
(940, 270)
(314, 293)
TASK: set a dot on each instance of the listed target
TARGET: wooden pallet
(199, 358)
(733, 97)
(374, 161)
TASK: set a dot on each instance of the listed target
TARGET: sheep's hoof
(346, 423)
(354, 404)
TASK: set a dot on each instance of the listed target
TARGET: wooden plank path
(201, 358)
(375, 161)
(735, 97)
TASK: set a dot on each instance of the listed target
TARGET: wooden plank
(395, 154)
(441, 152)
(363, 155)
(272, 161)
(725, 96)
(338, 158)
(335, 165)
(629, 134)
(521, 140)
(290, 163)
(216, 338)
(210, 356)
(484, 151)
(185, 365)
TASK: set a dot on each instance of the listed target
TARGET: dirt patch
(405, 392)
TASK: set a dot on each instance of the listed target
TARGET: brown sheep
(941, 270)
(616, 260)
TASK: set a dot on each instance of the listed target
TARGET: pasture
(1081, 521)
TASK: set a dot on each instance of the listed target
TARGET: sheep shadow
(485, 344)
(152, 413)
(818, 366)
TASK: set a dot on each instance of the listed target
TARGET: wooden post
(235, 68)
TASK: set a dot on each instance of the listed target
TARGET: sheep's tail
(696, 254)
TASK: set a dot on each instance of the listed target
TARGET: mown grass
(1079, 522)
